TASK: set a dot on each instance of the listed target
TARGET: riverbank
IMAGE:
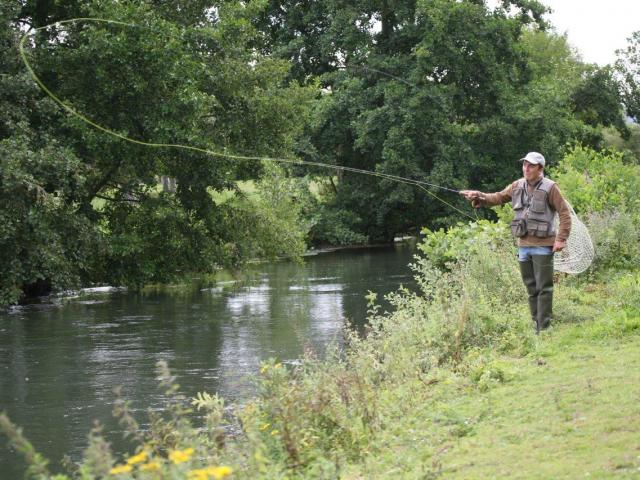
(561, 405)
(455, 384)
(402, 240)
(484, 399)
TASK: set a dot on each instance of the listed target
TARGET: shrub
(616, 239)
(333, 226)
(270, 223)
(598, 181)
(603, 187)
(442, 247)
(43, 238)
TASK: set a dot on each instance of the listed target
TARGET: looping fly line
(418, 183)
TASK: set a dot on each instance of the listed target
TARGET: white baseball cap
(534, 157)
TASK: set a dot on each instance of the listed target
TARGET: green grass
(574, 412)
(571, 409)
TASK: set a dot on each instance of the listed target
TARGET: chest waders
(534, 217)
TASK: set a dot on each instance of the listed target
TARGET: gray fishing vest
(533, 214)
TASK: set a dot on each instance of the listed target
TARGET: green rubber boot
(543, 272)
(529, 279)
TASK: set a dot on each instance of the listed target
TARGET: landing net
(577, 256)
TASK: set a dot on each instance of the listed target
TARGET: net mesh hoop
(578, 255)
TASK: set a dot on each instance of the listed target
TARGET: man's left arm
(561, 206)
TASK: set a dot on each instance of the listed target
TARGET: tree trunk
(41, 13)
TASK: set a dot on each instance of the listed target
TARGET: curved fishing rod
(419, 183)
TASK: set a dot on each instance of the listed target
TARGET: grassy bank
(571, 412)
(569, 409)
(564, 405)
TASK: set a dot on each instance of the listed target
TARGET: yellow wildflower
(220, 472)
(139, 458)
(181, 456)
(275, 432)
(118, 469)
(264, 369)
(216, 473)
(198, 474)
(264, 426)
(150, 467)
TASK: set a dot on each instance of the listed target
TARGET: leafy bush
(43, 237)
(603, 187)
(332, 226)
(442, 247)
(616, 239)
(270, 223)
(597, 181)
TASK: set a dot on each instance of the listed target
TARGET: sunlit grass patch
(574, 414)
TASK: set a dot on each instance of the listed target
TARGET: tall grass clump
(470, 297)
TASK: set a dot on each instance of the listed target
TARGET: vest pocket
(537, 228)
(519, 228)
(517, 201)
(538, 202)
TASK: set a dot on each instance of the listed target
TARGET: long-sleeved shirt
(557, 203)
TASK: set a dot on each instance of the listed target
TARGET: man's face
(531, 172)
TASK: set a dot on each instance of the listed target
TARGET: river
(61, 360)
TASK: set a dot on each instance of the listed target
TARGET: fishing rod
(419, 183)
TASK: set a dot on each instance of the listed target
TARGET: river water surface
(59, 362)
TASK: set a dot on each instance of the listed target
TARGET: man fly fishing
(536, 200)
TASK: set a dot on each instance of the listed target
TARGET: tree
(628, 67)
(39, 234)
(414, 89)
(597, 101)
(70, 184)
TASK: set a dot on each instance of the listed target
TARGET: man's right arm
(480, 199)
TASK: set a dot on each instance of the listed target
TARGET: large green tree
(39, 232)
(80, 205)
(447, 92)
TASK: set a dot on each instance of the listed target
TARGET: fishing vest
(533, 214)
